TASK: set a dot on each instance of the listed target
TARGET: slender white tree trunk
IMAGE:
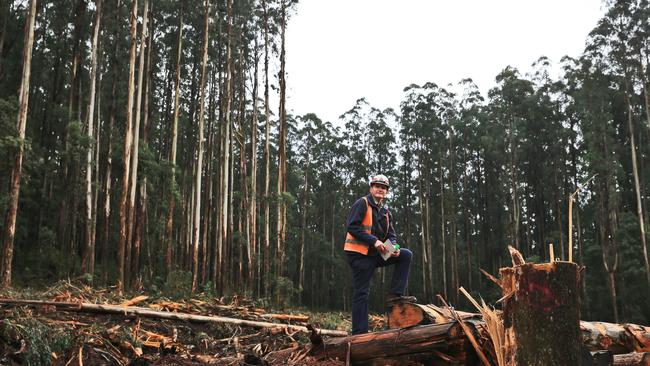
(267, 159)
(199, 163)
(14, 190)
(170, 208)
(126, 156)
(88, 262)
(136, 145)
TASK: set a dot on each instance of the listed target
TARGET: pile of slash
(45, 332)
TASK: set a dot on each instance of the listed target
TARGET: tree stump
(542, 314)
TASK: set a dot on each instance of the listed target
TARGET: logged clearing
(36, 329)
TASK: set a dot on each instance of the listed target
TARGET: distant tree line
(151, 154)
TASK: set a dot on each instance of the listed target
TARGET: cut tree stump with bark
(542, 314)
(443, 342)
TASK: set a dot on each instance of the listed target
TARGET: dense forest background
(156, 154)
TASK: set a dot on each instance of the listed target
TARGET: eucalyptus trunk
(303, 228)
(637, 186)
(253, 193)
(14, 190)
(424, 224)
(514, 214)
(174, 137)
(141, 223)
(466, 219)
(126, 156)
(68, 211)
(88, 262)
(443, 224)
(205, 248)
(243, 217)
(109, 155)
(607, 230)
(199, 162)
(282, 154)
(267, 159)
(135, 147)
(225, 160)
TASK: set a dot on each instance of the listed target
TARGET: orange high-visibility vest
(353, 244)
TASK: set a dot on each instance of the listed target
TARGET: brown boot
(395, 298)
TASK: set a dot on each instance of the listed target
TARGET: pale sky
(342, 50)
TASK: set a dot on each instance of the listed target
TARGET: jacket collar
(371, 201)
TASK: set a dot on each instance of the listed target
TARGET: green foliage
(287, 198)
(8, 143)
(78, 141)
(331, 320)
(286, 291)
(41, 340)
(178, 285)
(52, 261)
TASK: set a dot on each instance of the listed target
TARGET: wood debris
(100, 328)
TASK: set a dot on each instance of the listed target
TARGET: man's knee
(406, 254)
(361, 294)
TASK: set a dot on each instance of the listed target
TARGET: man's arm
(355, 218)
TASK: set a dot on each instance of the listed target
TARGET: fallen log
(608, 336)
(147, 313)
(293, 317)
(433, 339)
(632, 359)
(617, 338)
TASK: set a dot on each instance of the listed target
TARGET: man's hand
(395, 253)
(381, 247)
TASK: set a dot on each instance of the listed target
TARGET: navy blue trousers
(363, 267)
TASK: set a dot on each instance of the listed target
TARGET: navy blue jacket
(382, 228)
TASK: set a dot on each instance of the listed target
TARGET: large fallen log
(434, 340)
(147, 313)
(596, 336)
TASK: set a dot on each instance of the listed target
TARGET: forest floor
(47, 335)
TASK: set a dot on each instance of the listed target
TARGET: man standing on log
(369, 226)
